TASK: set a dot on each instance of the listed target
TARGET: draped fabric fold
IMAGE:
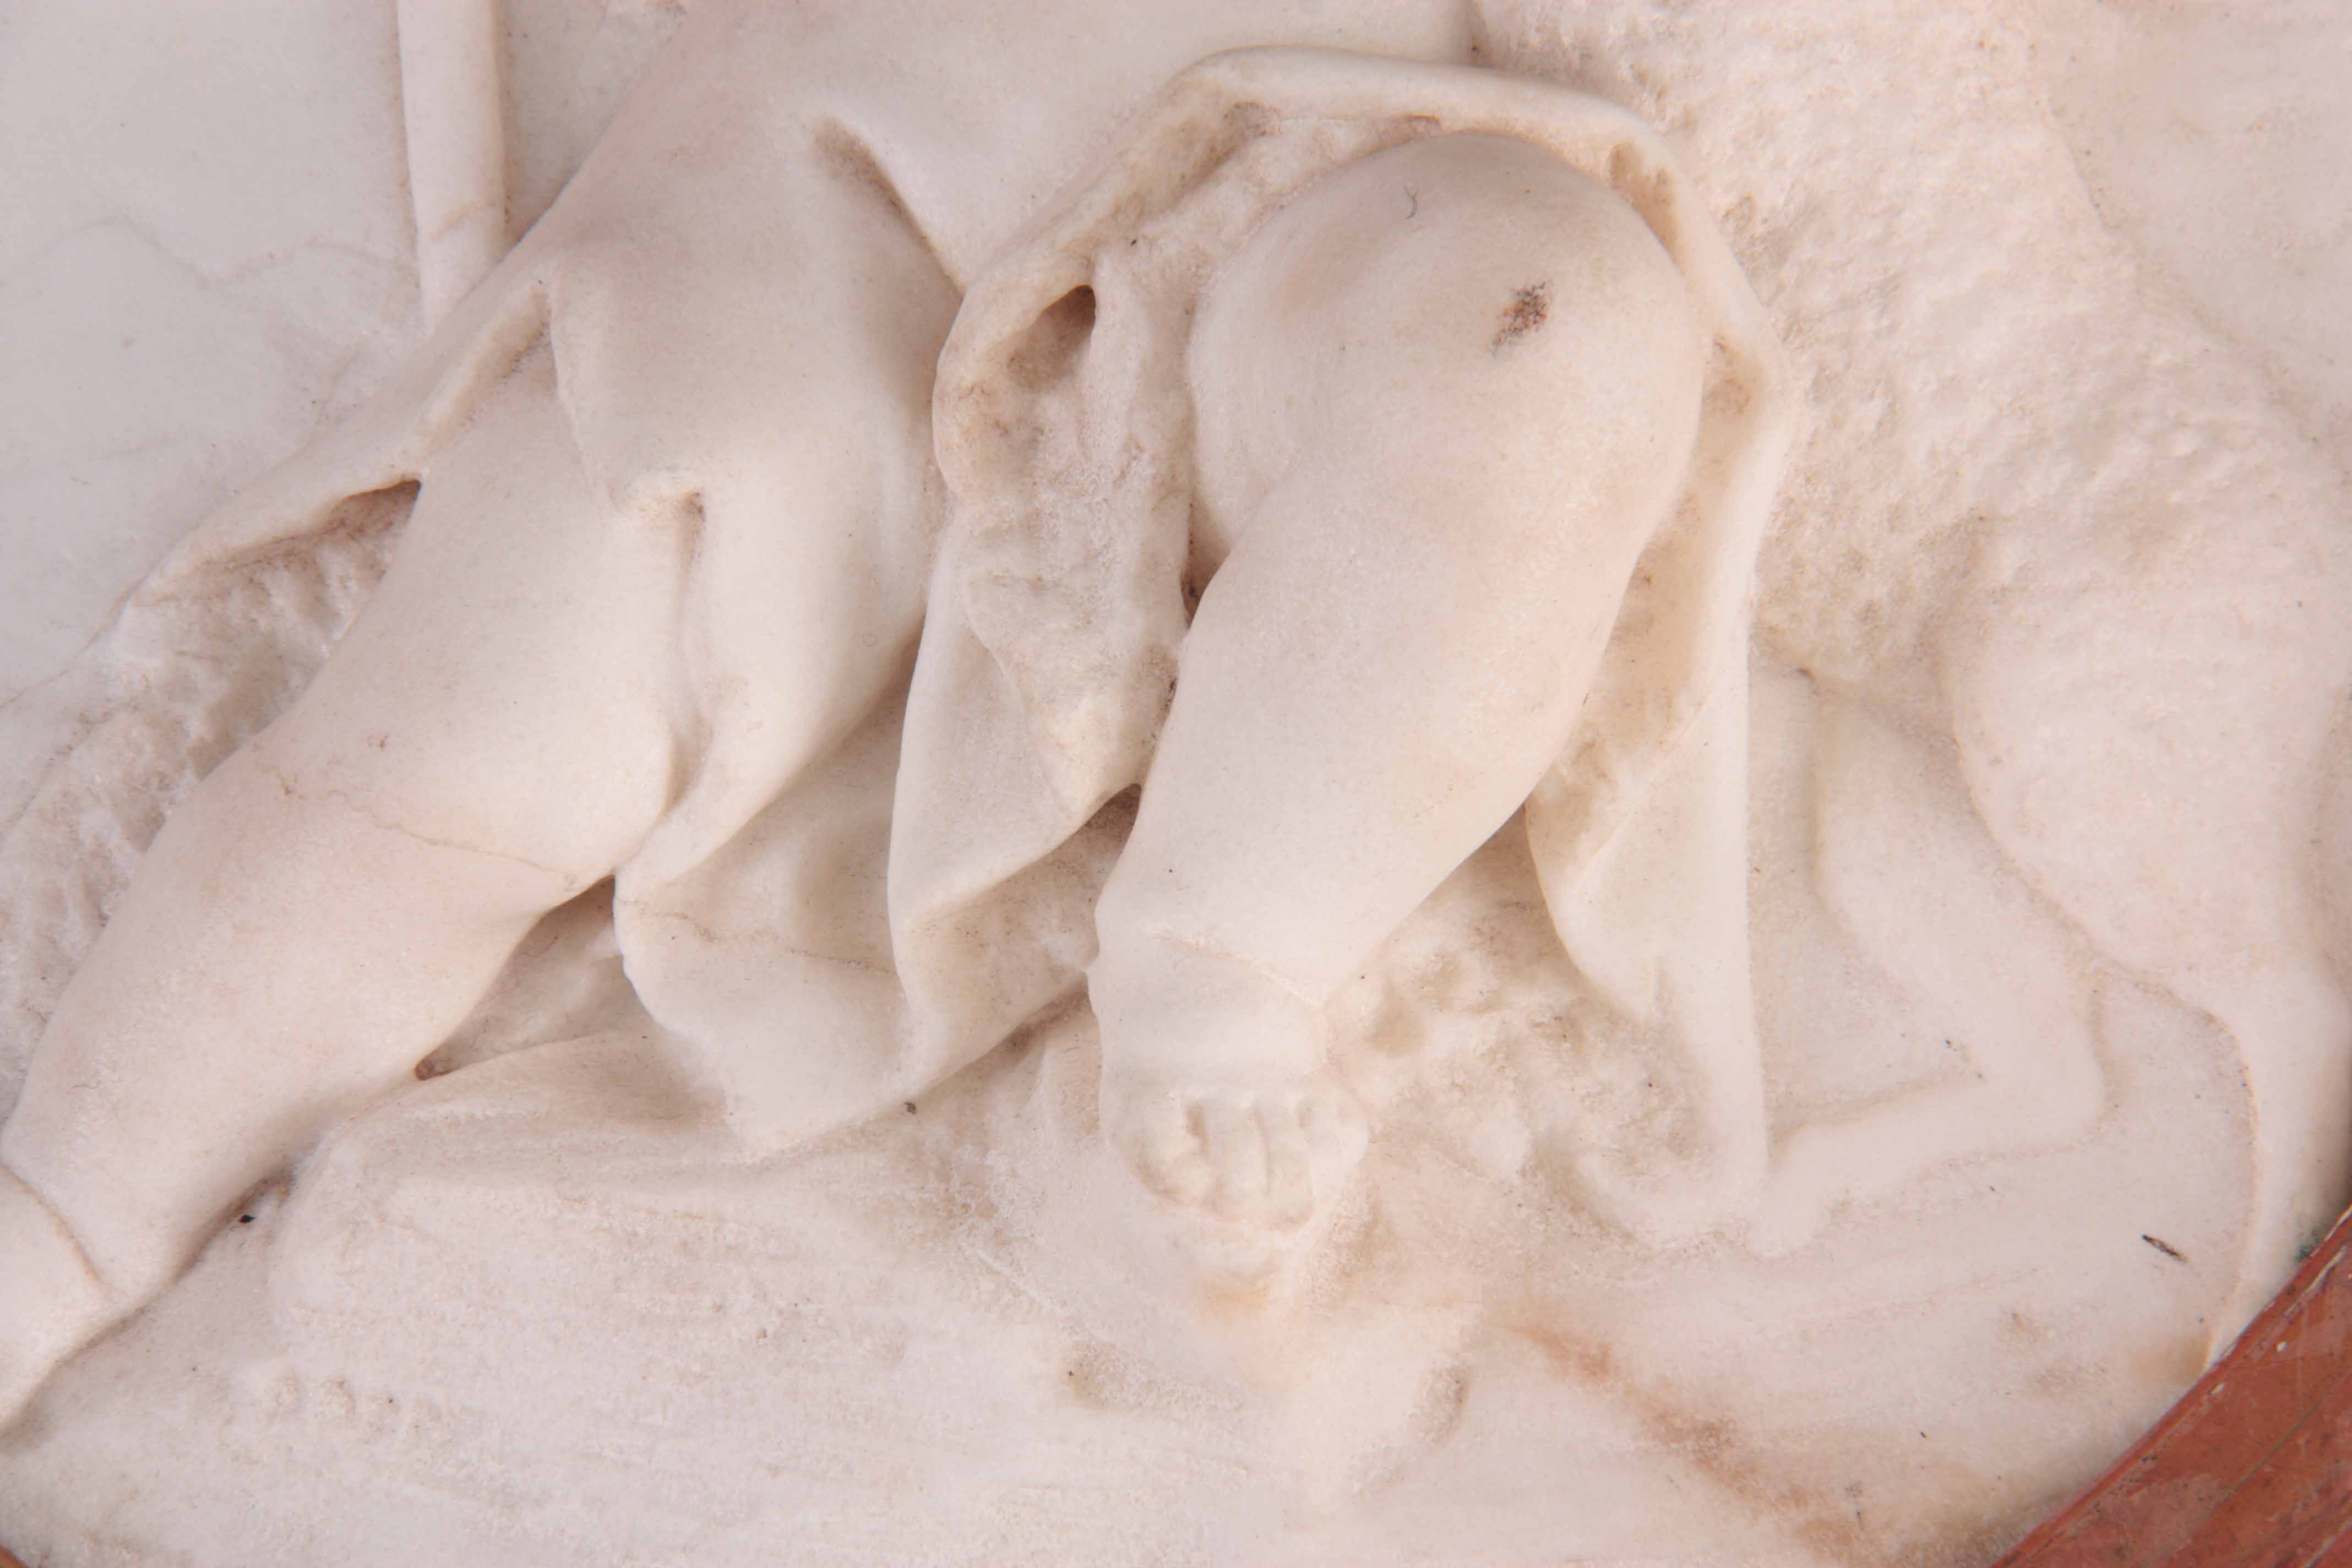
(1063, 430)
(1057, 614)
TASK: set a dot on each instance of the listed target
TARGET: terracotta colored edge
(2335, 1554)
(2297, 1500)
(2252, 1465)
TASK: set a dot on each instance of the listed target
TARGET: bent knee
(1465, 304)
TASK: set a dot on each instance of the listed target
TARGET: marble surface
(2044, 273)
(2252, 1465)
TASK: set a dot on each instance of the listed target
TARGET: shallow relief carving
(1201, 754)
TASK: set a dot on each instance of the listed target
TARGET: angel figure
(938, 558)
(1361, 447)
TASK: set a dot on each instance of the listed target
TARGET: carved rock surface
(2002, 831)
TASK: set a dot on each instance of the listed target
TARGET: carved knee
(1463, 308)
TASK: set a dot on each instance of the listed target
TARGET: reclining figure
(926, 595)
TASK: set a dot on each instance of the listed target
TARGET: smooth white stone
(2030, 797)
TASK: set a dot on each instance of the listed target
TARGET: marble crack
(345, 799)
(788, 950)
(228, 277)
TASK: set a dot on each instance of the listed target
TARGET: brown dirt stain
(1530, 308)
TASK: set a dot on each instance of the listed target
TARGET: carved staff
(452, 105)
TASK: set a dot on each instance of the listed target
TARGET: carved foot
(1671, 1195)
(1272, 1154)
(1662, 1204)
(1215, 1094)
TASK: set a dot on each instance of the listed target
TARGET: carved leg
(51, 1301)
(1921, 888)
(2141, 728)
(491, 737)
(1436, 433)
(2291, 1023)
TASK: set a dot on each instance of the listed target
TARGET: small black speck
(2165, 1247)
(245, 1219)
(910, 1107)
